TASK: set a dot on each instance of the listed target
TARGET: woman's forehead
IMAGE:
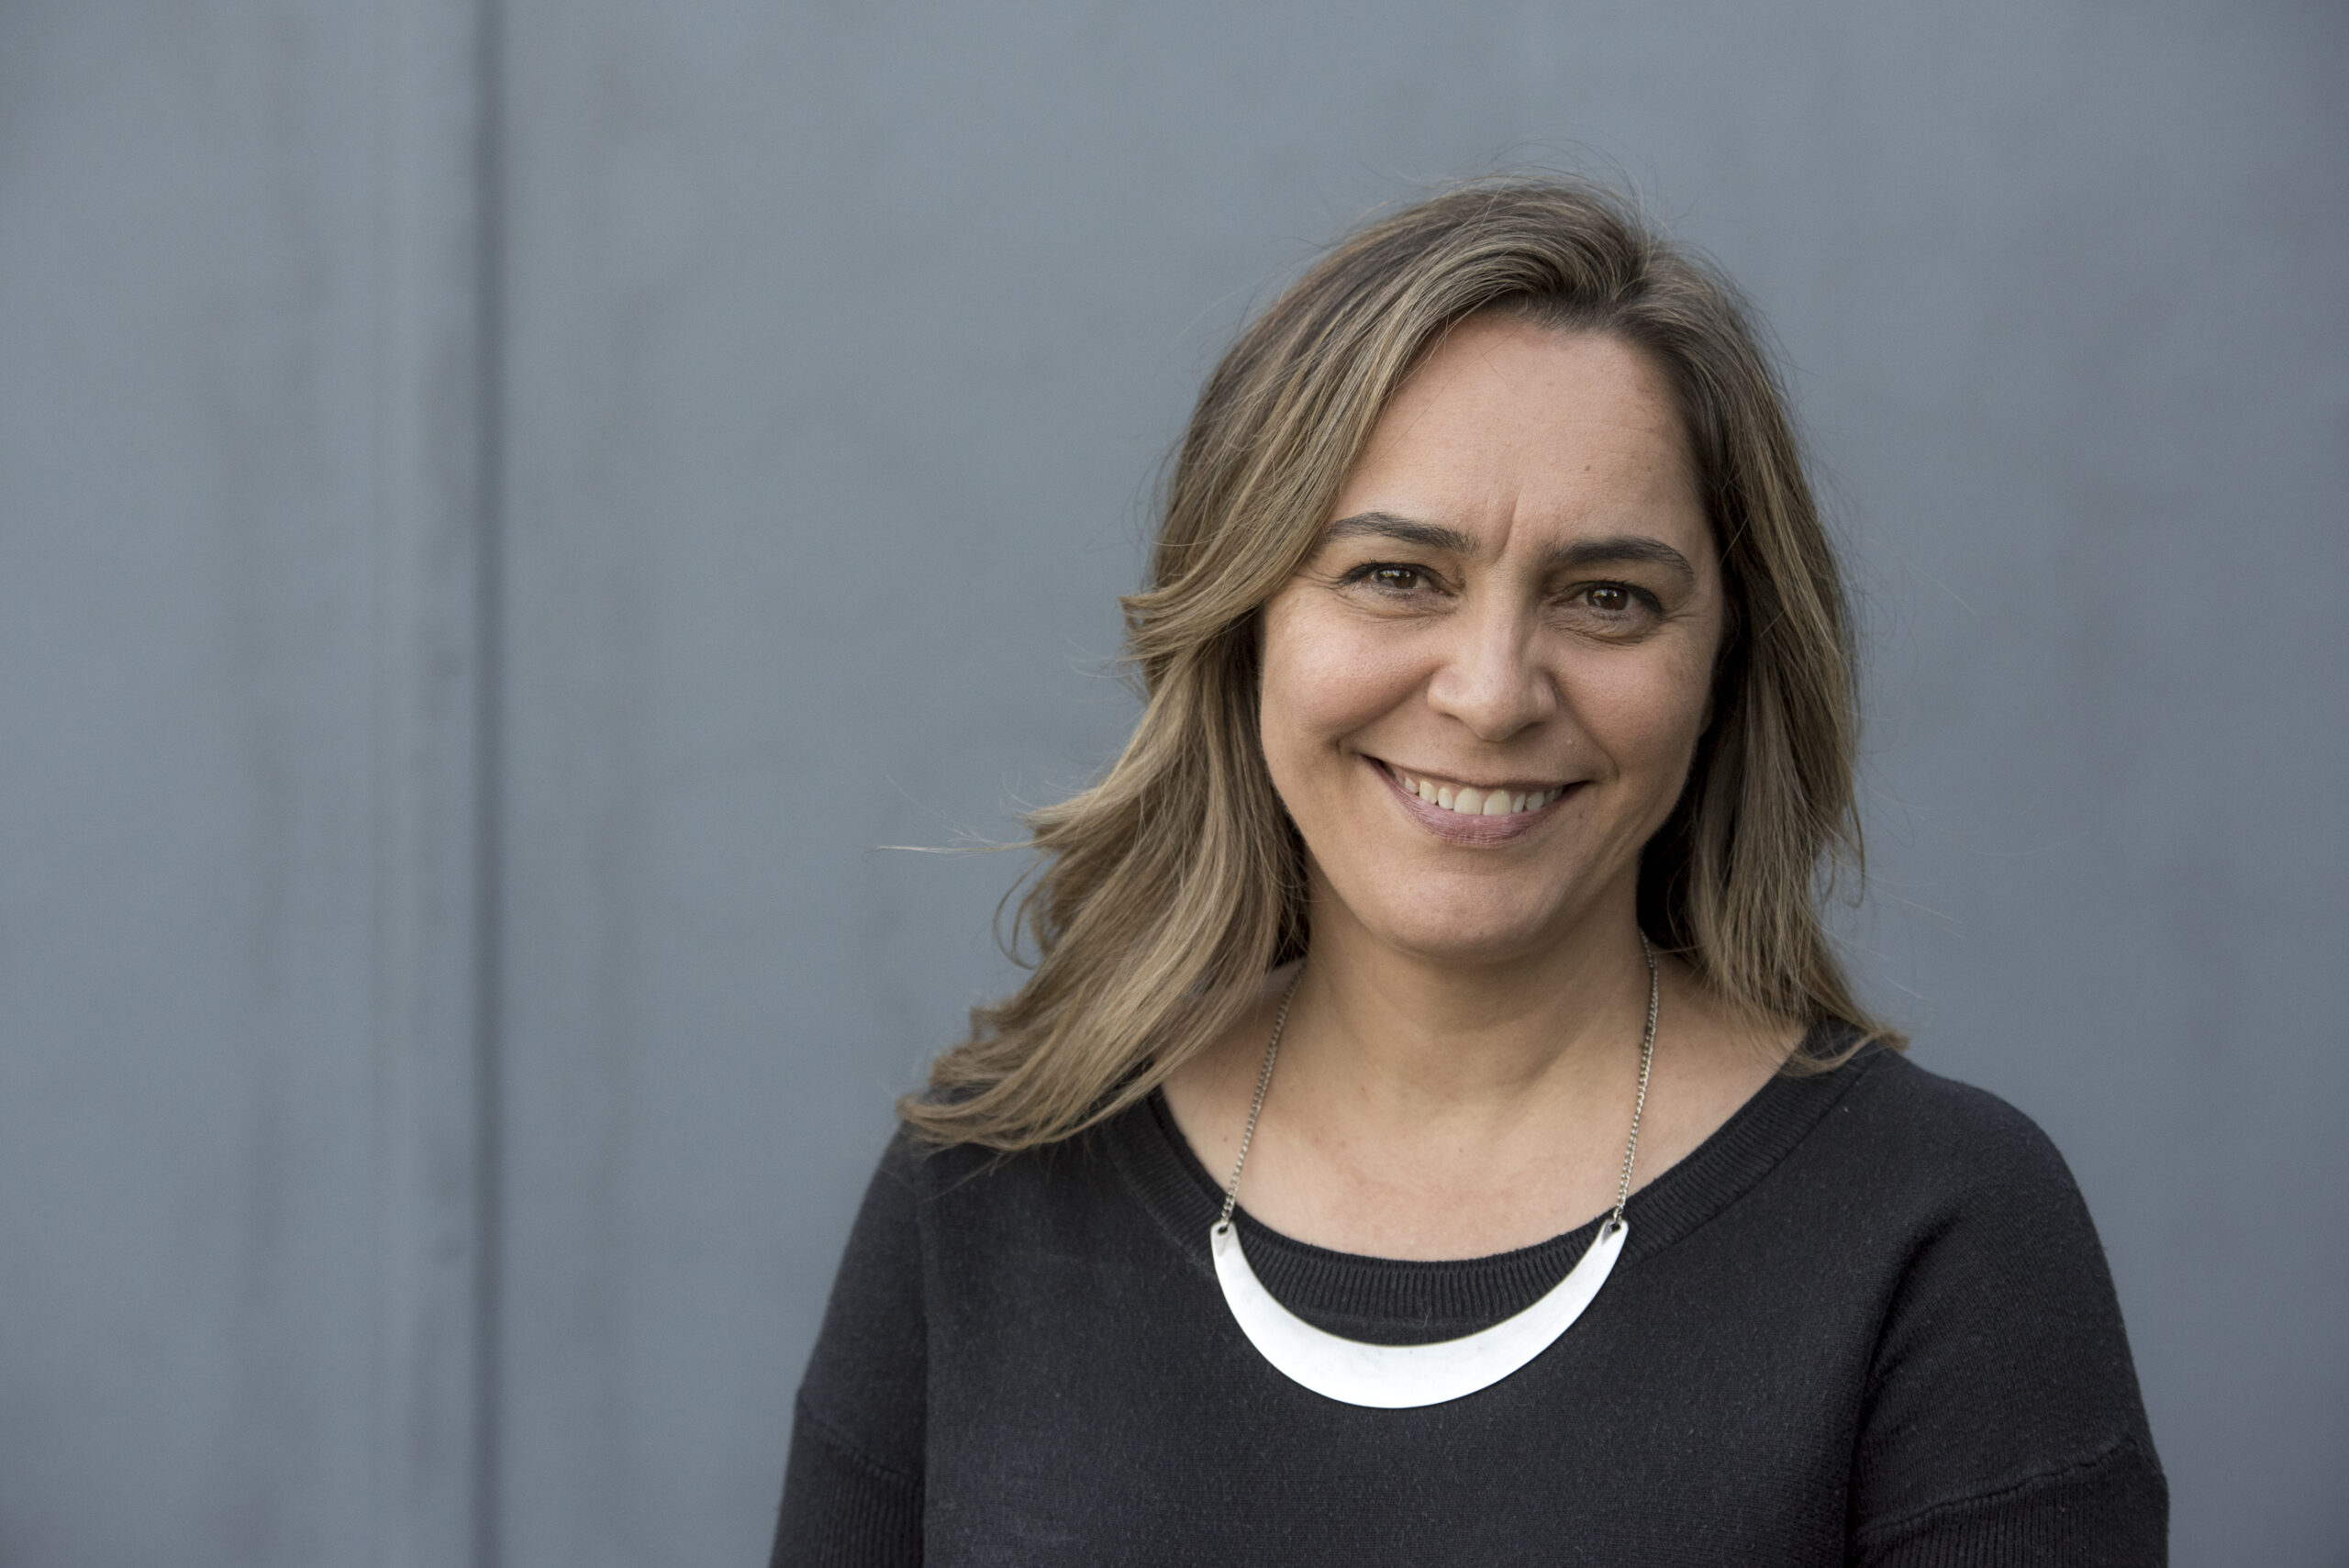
(1509, 431)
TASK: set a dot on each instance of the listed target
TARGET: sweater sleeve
(852, 1490)
(2003, 1424)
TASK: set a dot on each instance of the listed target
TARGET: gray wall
(504, 505)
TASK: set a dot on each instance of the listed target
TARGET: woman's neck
(1426, 1108)
(1413, 1035)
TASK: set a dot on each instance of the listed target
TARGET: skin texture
(1518, 588)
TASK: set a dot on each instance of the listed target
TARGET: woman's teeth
(1470, 801)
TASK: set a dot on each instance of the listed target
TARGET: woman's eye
(1613, 607)
(1387, 578)
(1616, 598)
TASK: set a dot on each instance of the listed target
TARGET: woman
(1440, 967)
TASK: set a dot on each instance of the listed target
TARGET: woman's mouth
(1469, 813)
(1469, 800)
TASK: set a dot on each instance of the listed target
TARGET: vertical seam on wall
(437, 783)
(489, 620)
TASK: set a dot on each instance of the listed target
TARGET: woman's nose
(1489, 679)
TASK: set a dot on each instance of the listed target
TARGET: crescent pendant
(1397, 1377)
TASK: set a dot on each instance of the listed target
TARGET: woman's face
(1482, 693)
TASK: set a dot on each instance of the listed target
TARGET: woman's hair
(1166, 891)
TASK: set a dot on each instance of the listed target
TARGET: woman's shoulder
(2001, 1366)
(1881, 1151)
(978, 1186)
(1952, 1165)
(1905, 1118)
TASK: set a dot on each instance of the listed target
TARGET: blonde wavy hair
(1165, 892)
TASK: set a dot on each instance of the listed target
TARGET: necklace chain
(1630, 1149)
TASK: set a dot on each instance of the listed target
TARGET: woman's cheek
(1338, 678)
(1645, 717)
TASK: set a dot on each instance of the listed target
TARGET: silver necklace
(1395, 1377)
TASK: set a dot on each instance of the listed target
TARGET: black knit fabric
(1867, 1322)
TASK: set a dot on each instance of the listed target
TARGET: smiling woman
(1458, 891)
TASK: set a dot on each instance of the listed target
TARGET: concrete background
(504, 504)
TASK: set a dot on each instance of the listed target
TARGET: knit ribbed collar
(1395, 1300)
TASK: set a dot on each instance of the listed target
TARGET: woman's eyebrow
(1387, 525)
(1616, 550)
(1622, 548)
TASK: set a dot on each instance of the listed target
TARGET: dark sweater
(1866, 1321)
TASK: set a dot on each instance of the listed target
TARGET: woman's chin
(1470, 940)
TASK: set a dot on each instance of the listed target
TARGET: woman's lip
(1459, 827)
(1507, 787)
